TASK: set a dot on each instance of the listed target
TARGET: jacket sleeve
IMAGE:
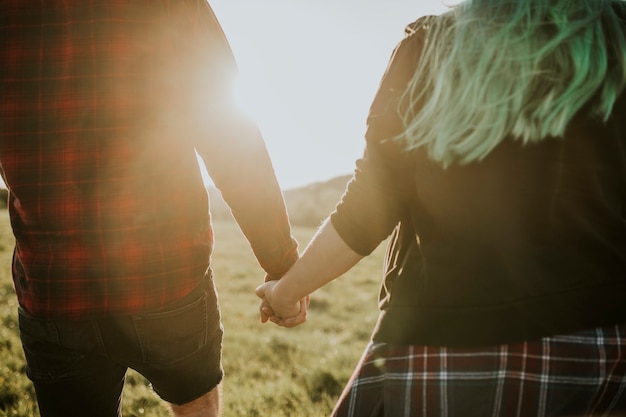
(379, 194)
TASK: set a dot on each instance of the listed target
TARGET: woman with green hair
(495, 163)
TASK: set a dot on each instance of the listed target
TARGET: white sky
(309, 71)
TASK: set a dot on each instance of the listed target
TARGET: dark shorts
(576, 375)
(79, 367)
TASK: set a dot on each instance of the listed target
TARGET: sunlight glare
(245, 98)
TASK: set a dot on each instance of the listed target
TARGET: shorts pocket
(167, 337)
(46, 359)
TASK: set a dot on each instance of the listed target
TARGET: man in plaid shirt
(103, 106)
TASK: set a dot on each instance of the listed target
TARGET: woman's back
(514, 233)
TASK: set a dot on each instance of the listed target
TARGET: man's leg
(70, 375)
(97, 396)
(206, 406)
(180, 350)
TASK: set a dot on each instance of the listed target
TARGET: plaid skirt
(580, 374)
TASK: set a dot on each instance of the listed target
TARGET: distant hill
(307, 205)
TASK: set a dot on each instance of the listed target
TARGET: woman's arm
(325, 258)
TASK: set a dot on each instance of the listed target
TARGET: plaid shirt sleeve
(237, 160)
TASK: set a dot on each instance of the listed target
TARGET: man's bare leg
(206, 406)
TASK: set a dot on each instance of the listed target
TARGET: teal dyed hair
(522, 68)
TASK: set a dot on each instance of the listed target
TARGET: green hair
(522, 68)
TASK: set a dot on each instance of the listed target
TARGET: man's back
(103, 105)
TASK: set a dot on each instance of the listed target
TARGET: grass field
(270, 371)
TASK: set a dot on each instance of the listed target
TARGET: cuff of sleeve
(343, 226)
(287, 262)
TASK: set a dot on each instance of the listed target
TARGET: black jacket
(530, 242)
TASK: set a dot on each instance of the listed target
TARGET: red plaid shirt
(103, 105)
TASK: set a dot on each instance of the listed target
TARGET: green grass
(269, 371)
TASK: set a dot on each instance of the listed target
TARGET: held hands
(279, 310)
(325, 258)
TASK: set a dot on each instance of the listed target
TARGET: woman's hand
(280, 310)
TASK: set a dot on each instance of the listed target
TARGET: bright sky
(309, 71)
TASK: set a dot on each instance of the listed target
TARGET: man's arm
(233, 150)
